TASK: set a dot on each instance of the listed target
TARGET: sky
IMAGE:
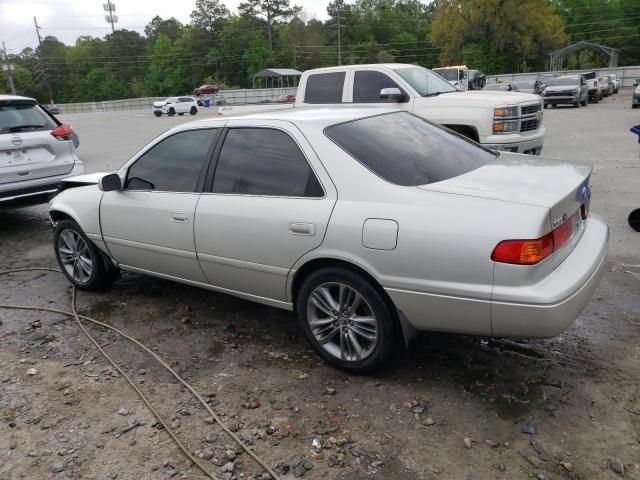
(69, 19)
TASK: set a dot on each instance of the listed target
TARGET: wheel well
(314, 265)
(465, 130)
(57, 216)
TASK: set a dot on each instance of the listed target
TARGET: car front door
(268, 204)
(367, 85)
(148, 225)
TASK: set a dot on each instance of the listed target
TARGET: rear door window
(264, 161)
(367, 85)
(24, 117)
(408, 150)
(324, 88)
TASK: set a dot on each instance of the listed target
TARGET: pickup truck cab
(505, 121)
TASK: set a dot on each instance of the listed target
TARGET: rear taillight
(63, 132)
(530, 252)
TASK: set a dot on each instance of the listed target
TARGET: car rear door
(268, 204)
(28, 150)
(148, 225)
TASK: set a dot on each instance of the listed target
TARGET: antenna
(109, 9)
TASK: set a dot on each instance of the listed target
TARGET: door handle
(179, 217)
(301, 228)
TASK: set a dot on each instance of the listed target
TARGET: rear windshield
(408, 150)
(564, 81)
(21, 117)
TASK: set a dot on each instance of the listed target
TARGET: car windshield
(450, 74)
(498, 86)
(524, 85)
(424, 81)
(407, 150)
(564, 81)
(171, 100)
(23, 117)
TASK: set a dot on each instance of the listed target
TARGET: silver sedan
(370, 224)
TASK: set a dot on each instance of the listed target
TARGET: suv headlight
(508, 126)
(505, 112)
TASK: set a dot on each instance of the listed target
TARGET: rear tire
(347, 319)
(84, 265)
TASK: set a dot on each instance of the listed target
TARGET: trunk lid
(562, 187)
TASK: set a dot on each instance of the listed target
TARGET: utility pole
(7, 67)
(338, 4)
(109, 8)
(294, 56)
(44, 64)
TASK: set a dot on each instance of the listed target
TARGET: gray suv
(36, 152)
(567, 90)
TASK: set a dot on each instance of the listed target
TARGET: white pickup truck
(504, 121)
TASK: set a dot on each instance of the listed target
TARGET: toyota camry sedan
(370, 224)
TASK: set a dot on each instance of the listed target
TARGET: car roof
(366, 65)
(15, 98)
(319, 117)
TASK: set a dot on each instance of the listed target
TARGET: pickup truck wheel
(84, 265)
(347, 320)
(171, 112)
(193, 110)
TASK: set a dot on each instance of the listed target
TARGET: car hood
(479, 98)
(558, 185)
(159, 104)
(87, 179)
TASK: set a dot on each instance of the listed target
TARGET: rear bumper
(548, 308)
(31, 192)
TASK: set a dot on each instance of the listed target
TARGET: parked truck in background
(463, 78)
(506, 121)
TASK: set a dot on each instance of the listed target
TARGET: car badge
(16, 140)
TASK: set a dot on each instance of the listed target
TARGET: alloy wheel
(342, 321)
(75, 255)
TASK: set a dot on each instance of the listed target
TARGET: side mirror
(394, 94)
(110, 182)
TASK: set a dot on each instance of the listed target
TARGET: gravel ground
(453, 407)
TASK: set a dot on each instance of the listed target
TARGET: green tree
(170, 27)
(507, 34)
(209, 15)
(271, 11)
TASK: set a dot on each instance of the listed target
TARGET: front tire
(157, 114)
(634, 220)
(347, 319)
(171, 112)
(84, 265)
(193, 110)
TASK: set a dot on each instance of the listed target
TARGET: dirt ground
(452, 407)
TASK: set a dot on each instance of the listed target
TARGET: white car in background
(173, 105)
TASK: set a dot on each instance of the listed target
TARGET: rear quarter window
(24, 117)
(324, 88)
(407, 150)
